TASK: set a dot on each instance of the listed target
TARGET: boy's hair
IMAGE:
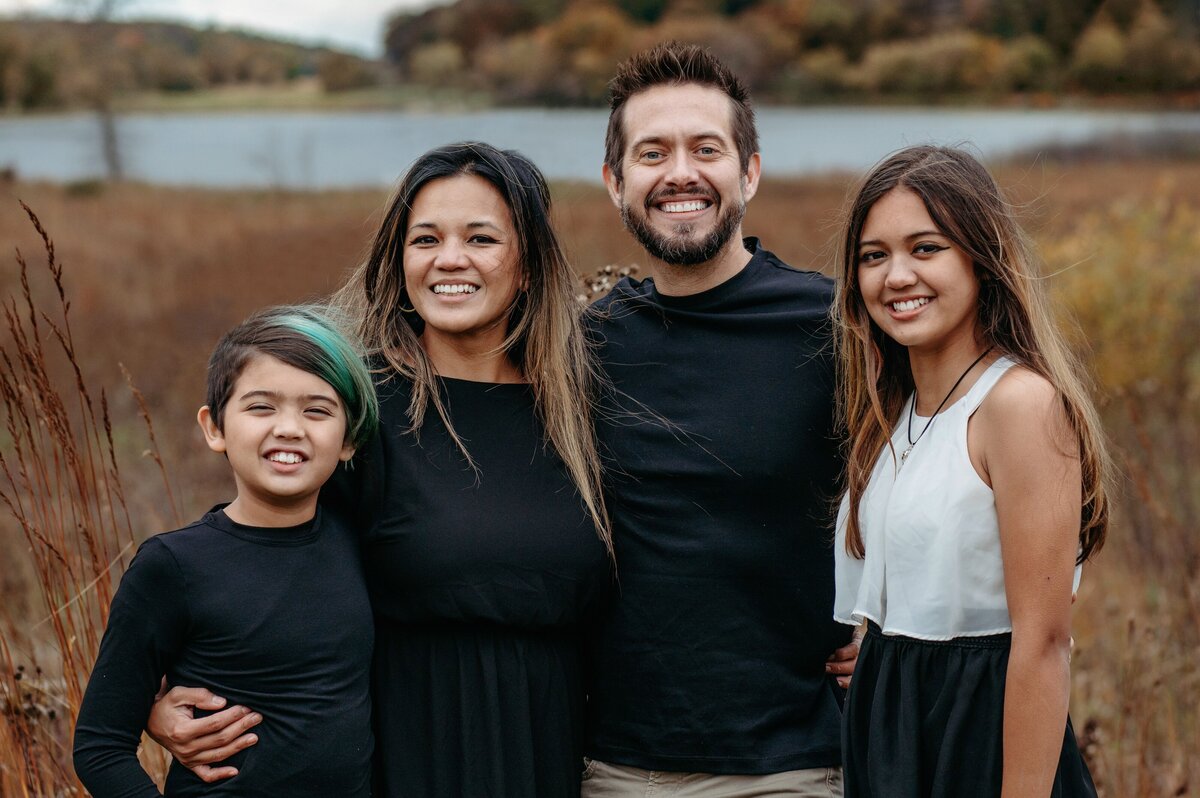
(308, 338)
(675, 63)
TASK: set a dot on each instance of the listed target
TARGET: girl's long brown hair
(544, 340)
(1014, 316)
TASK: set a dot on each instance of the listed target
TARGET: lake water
(342, 150)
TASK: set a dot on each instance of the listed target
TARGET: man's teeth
(285, 457)
(911, 304)
(684, 207)
(460, 288)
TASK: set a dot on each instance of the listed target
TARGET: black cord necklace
(929, 423)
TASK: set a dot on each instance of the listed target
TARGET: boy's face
(284, 434)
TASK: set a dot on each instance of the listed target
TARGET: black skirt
(924, 719)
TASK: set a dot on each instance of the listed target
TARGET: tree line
(564, 51)
(63, 63)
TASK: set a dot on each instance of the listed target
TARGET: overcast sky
(352, 24)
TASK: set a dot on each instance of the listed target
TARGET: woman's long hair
(1014, 316)
(544, 338)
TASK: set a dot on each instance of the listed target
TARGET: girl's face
(461, 261)
(916, 284)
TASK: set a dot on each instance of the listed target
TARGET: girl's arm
(1031, 456)
(146, 627)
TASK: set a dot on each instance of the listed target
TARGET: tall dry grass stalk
(62, 484)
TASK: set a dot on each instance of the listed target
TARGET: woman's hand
(198, 742)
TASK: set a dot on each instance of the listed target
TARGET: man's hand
(198, 742)
(841, 662)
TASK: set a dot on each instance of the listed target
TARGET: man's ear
(613, 184)
(750, 180)
(212, 433)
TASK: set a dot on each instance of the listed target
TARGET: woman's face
(461, 261)
(917, 285)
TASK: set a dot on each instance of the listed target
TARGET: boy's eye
(259, 408)
(319, 411)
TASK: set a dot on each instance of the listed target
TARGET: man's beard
(679, 249)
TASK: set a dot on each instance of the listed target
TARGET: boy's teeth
(911, 304)
(461, 288)
(684, 207)
(285, 457)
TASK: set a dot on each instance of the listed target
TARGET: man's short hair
(675, 63)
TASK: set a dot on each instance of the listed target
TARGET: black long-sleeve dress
(480, 582)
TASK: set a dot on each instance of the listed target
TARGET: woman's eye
(928, 248)
(482, 239)
(418, 241)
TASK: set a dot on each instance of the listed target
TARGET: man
(710, 665)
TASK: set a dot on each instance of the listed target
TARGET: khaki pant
(602, 780)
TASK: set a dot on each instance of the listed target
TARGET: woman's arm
(145, 631)
(196, 743)
(1031, 457)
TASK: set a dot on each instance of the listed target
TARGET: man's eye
(652, 155)
(707, 150)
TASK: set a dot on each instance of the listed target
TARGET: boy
(261, 600)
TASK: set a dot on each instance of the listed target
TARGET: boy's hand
(198, 742)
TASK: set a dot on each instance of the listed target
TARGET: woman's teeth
(454, 289)
(910, 304)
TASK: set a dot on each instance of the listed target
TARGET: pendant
(904, 456)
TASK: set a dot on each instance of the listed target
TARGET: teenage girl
(974, 492)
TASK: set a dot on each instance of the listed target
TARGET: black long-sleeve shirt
(722, 467)
(276, 619)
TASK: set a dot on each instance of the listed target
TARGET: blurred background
(192, 160)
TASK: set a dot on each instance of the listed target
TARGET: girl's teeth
(912, 304)
(454, 289)
(285, 457)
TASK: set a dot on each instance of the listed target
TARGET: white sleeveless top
(933, 568)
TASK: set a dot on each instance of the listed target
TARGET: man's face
(682, 192)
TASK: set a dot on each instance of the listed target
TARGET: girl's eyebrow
(874, 242)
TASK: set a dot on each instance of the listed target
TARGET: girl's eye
(419, 241)
(259, 408)
(928, 248)
(868, 257)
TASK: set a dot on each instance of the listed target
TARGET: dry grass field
(154, 275)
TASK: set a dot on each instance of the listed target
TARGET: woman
(484, 534)
(975, 486)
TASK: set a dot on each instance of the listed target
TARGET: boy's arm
(146, 627)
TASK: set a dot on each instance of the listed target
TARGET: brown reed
(62, 484)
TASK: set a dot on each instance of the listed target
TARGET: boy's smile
(284, 433)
